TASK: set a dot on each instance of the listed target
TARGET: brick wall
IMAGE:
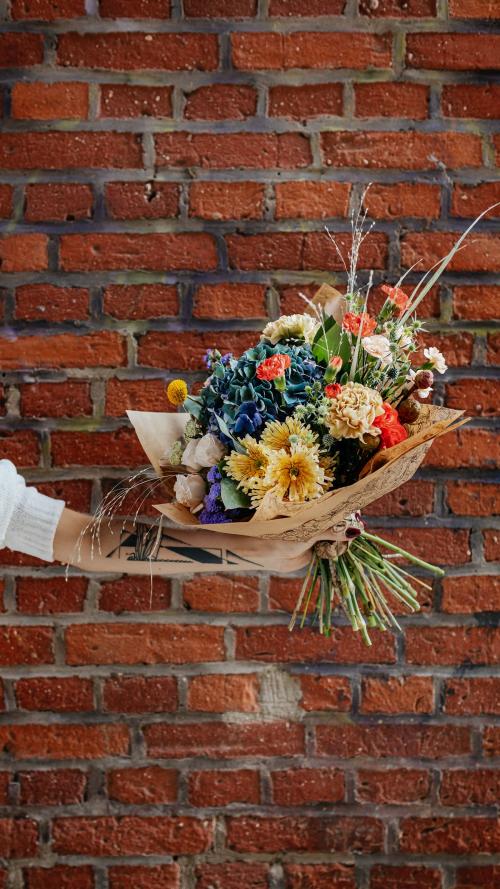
(165, 176)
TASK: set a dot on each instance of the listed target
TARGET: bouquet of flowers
(323, 415)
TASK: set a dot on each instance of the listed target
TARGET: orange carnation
(273, 367)
(353, 322)
(396, 296)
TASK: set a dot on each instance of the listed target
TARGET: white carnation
(436, 359)
(291, 327)
(378, 346)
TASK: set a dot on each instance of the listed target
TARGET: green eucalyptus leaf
(193, 406)
(232, 497)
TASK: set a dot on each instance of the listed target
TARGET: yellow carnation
(352, 412)
(296, 476)
(249, 468)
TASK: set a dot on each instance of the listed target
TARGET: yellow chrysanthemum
(297, 475)
(248, 468)
(282, 436)
(177, 392)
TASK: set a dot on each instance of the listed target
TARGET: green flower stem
(402, 552)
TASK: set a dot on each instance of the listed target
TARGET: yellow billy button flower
(177, 392)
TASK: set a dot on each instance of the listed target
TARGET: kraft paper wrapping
(386, 471)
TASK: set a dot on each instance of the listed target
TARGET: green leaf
(232, 496)
(193, 406)
(328, 343)
(225, 431)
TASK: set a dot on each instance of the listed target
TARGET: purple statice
(213, 512)
(213, 474)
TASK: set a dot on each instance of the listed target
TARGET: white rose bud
(189, 490)
(189, 457)
(209, 450)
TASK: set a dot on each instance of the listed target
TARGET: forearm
(115, 546)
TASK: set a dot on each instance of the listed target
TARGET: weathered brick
(455, 52)
(217, 694)
(385, 876)
(400, 150)
(479, 254)
(130, 51)
(404, 199)
(384, 740)
(228, 150)
(138, 200)
(307, 787)
(451, 836)
(404, 694)
(61, 787)
(141, 9)
(140, 694)
(130, 835)
(302, 49)
(50, 101)
(60, 876)
(470, 100)
(23, 253)
(472, 696)
(135, 594)
(46, 302)
(230, 301)
(232, 875)
(470, 594)
(64, 741)
(127, 100)
(221, 101)
(221, 788)
(391, 100)
(320, 200)
(142, 643)
(17, 49)
(220, 593)
(140, 786)
(62, 693)
(308, 100)
(162, 252)
(59, 151)
(100, 349)
(69, 399)
(58, 202)
(393, 786)
(161, 876)
(325, 692)
(292, 834)
(47, 10)
(226, 200)
(452, 645)
(224, 740)
(26, 645)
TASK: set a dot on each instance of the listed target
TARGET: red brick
(226, 200)
(493, 355)
(451, 836)
(140, 694)
(470, 100)
(130, 835)
(325, 692)
(142, 200)
(163, 876)
(437, 545)
(472, 499)
(105, 348)
(414, 498)
(392, 100)
(467, 447)
(59, 151)
(293, 250)
(218, 694)
(400, 150)
(126, 100)
(21, 446)
(220, 8)
(64, 741)
(293, 834)
(61, 787)
(381, 741)
(20, 50)
(135, 51)
(470, 594)
(135, 9)
(143, 643)
(404, 199)
(45, 302)
(47, 10)
(123, 395)
(480, 9)
(491, 741)
(393, 786)
(276, 643)
(4, 790)
(397, 694)
(471, 697)
(163, 252)
(59, 877)
(185, 351)
(119, 448)
(75, 493)
(302, 49)
(307, 787)
(305, 199)
(49, 101)
(18, 837)
(221, 101)
(58, 202)
(23, 253)
(224, 787)
(479, 397)
(284, 592)
(230, 301)
(232, 150)
(477, 877)
(136, 301)
(452, 645)
(308, 100)
(68, 399)
(221, 593)
(135, 594)
(398, 8)
(314, 7)
(224, 740)
(491, 545)
(26, 646)
(232, 875)
(148, 785)
(385, 876)
(460, 787)
(6, 205)
(63, 694)
(320, 876)
(479, 254)
(454, 52)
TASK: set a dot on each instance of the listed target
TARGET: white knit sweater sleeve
(28, 519)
